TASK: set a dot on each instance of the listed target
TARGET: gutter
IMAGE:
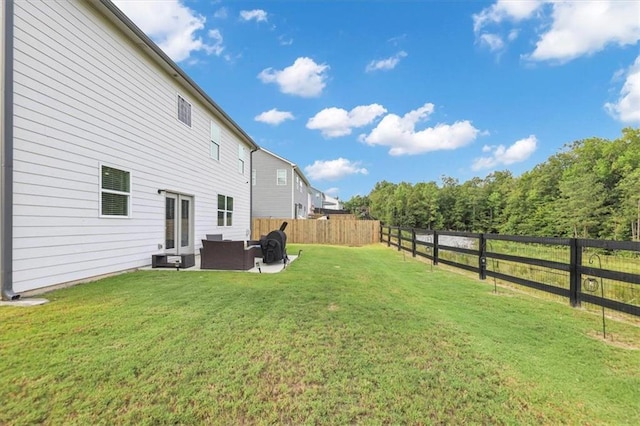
(293, 191)
(6, 182)
(251, 191)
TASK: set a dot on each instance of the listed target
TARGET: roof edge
(117, 14)
(294, 165)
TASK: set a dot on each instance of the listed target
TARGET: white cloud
(397, 40)
(221, 13)
(334, 169)
(627, 107)
(493, 41)
(506, 10)
(400, 134)
(304, 78)
(516, 153)
(386, 64)
(217, 47)
(336, 122)
(570, 28)
(585, 27)
(171, 25)
(285, 41)
(274, 117)
(333, 191)
(257, 15)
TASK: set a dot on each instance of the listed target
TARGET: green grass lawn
(344, 335)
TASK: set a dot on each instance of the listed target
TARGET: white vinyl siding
(86, 95)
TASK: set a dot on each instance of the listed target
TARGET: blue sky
(356, 92)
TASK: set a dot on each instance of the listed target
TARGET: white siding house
(280, 189)
(116, 153)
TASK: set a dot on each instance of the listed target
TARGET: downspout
(6, 183)
(293, 192)
(251, 192)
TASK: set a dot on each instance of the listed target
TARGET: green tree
(448, 194)
(424, 205)
(381, 202)
(359, 206)
(497, 187)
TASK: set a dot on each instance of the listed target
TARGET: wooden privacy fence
(598, 272)
(310, 231)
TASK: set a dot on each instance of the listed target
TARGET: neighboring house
(320, 200)
(110, 152)
(316, 198)
(332, 203)
(280, 189)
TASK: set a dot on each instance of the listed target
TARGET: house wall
(270, 199)
(315, 198)
(3, 5)
(86, 95)
(301, 196)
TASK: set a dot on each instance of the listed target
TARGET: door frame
(177, 225)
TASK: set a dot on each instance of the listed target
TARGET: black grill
(274, 246)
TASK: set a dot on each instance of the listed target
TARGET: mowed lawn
(346, 335)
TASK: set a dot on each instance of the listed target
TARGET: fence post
(380, 232)
(575, 278)
(413, 242)
(389, 237)
(399, 238)
(435, 247)
(482, 257)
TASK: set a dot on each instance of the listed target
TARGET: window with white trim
(281, 177)
(225, 210)
(184, 111)
(115, 192)
(241, 157)
(215, 141)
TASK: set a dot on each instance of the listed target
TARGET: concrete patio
(259, 266)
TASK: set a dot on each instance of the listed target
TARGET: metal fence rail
(572, 268)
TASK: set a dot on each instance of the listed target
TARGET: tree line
(590, 189)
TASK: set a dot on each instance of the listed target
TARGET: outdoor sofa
(229, 255)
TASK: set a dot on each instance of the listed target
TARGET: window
(225, 210)
(241, 156)
(253, 177)
(184, 111)
(215, 141)
(115, 192)
(281, 178)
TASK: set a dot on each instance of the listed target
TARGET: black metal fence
(598, 272)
